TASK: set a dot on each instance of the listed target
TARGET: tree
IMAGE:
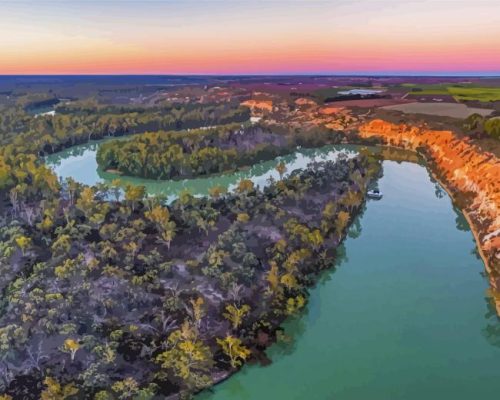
(126, 388)
(294, 304)
(55, 391)
(158, 215)
(185, 197)
(281, 168)
(61, 245)
(86, 201)
(23, 243)
(168, 234)
(245, 186)
(68, 268)
(71, 187)
(329, 210)
(235, 315)
(198, 311)
(289, 280)
(134, 194)
(187, 357)
(351, 200)
(341, 222)
(217, 191)
(313, 238)
(71, 346)
(329, 213)
(273, 277)
(5, 174)
(233, 348)
(492, 127)
(473, 121)
(242, 217)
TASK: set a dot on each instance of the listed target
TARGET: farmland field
(460, 93)
(483, 94)
(454, 110)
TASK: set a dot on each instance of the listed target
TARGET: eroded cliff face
(306, 113)
(471, 176)
(258, 107)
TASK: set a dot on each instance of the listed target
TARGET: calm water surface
(80, 163)
(404, 316)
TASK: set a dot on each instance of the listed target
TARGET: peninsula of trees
(133, 299)
(107, 296)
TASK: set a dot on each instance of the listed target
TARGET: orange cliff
(470, 175)
(258, 106)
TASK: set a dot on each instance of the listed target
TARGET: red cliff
(470, 175)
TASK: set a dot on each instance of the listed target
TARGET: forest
(24, 137)
(185, 154)
(107, 296)
(73, 124)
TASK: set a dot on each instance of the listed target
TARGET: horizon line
(319, 74)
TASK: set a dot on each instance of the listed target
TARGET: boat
(374, 194)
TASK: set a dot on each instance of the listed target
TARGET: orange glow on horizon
(209, 38)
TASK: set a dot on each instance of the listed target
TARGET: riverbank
(408, 247)
(458, 281)
(470, 177)
(218, 274)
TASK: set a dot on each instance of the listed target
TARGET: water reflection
(406, 309)
(79, 162)
(460, 220)
(492, 329)
(356, 229)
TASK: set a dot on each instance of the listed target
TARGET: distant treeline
(353, 97)
(48, 134)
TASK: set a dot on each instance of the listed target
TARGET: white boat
(374, 194)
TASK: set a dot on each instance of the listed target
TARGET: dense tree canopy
(167, 155)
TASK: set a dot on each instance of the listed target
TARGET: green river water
(403, 316)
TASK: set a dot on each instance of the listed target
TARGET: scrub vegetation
(111, 298)
(478, 123)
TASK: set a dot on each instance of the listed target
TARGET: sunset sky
(250, 37)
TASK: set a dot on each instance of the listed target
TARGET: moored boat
(374, 194)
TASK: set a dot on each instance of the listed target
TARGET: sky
(250, 37)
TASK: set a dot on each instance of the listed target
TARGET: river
(403, 316)
(79, 162)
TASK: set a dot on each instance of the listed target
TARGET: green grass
(322, 94)
(459, 92)
(484, 94)
(429, 89)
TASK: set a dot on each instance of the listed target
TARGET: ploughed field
(453, 110)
